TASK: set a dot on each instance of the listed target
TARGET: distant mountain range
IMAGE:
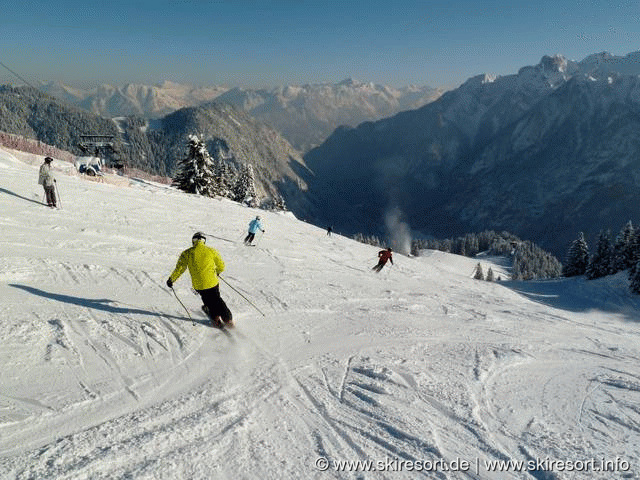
(305, 115)
(544, 153)
(156, 146)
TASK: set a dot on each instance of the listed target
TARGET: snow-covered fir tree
(276, 203)
(225, 177)
(195, 172)
(245, 189)
(634, 278)
(368, 239)
(635, 258)
(600, 261)
(279, 203)
(489, 277)
(622, 249)
(577, 257)
(529, 261)
(516, 271)
(479, 275)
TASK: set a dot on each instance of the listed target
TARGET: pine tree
(635, 256)
(516, 270)
(634, 249)
(622, 250)
(471, 245)
(279, 203)
(195, 172)
(230, 175)
(634, 278)
(223, 177)
(577, 257)
(245, 189)
(600, 262)
(489, 275)
(479, 275)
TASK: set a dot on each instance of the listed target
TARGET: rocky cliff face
(545, 153)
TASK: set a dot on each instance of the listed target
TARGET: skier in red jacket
(383, 256)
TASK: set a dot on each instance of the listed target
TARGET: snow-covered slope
(104, 376)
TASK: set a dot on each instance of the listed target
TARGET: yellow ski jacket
(204, 264)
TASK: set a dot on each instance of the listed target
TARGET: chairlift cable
(18, 76)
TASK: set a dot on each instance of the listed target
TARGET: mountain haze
(147, 101)
(305, 115)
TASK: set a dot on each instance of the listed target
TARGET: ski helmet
(197, 237)
(48, 159)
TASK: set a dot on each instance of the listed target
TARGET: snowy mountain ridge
(105, 376)
(483, 92)
(544, 153)
(304, 114)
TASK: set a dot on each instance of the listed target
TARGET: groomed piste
(105, 376)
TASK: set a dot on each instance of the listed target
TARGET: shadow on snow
(609, 294)
(9, 192)
(103, 304)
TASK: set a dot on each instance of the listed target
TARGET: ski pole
(57, 192)
(185, 308)
(248, 301)
(258, 239)
(219, 238)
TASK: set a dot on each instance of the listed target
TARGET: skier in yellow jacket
(204, 264)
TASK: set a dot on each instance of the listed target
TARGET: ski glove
(169, 283)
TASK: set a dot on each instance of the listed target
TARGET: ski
(219, 324)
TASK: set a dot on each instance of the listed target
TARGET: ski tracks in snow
(208, 398)
(546, 401)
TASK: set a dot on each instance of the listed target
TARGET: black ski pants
(50, 195)
(379, 266)
(249, 238)
(214, 303)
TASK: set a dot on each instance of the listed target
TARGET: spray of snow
(398, 231)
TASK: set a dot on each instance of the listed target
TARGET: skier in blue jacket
(254, 226)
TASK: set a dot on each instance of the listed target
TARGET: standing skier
(48, 181)
(254, 226)
(383, 256)
(204, 264)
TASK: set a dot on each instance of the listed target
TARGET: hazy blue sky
(259, 43)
